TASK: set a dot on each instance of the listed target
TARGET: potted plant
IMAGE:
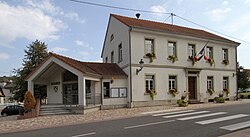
(226, 91)
(173, 58)
(219, 99)
(210, 91)
(183, 102)
(173, 92)
(151, 56)
(191, 58)
(211, 61)
(151, 93)
(226, 62)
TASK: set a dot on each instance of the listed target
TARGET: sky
(77, 30)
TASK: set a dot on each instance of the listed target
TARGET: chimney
(137, 15)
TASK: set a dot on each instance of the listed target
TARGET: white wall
(52, 96)
(121, 35)
(118, 83)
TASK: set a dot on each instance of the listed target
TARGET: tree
(29, 101)
(242, 78)
(35, 53)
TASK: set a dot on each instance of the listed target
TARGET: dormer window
(111, 37)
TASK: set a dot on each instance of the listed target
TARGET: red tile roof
(157, 26)
(99, 69)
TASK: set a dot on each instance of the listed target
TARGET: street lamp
(141, 67)
(240, 71)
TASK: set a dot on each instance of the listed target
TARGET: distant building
(6, 86)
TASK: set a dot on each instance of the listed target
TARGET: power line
(147, 11)
(166, 18)
(116, 7)
(211, 29)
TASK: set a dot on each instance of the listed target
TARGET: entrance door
(192, 87)
(70, 93)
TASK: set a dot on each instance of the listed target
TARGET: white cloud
(82, 44)
(247, 1)
(218, 13)
(159, 9)
(44, 5)
(4, 56)
(74, 16)
(84, 53)
(59, 49)
(27, 22)
(225, 3)
(241, 23)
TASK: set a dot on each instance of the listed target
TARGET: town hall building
(141, 57)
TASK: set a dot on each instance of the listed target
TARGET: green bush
(219, 100)
(29, 102)
(182, 103)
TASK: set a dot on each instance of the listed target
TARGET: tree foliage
(34, 54)
(242, 78)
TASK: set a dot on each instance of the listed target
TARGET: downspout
(236, 60)
(130, 67)
(101, 92)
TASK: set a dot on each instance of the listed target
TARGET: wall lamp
(141, 67)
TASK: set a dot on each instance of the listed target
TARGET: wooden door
(192, 87)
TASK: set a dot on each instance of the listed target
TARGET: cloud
(4, 56)
(225, 3)
(241, 23)
(84, 53)
(44, 5)
(82, 44)
(59, 49)
(74, 16)
(218, 14)
(27, 22)
(247, 1)
(159, 9)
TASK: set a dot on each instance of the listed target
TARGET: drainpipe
(130, 67)
(101, 92)
(236, 76)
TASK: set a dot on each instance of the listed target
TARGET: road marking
(236, 126)
(83, 135)
(186, 114)
(170, 113)
(221, 119)
(158, 111)
(149, 124)
(201, 116)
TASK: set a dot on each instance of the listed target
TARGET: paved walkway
(12, 125)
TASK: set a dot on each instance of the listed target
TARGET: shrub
(219, 100)
(29, 102)
(182, 103)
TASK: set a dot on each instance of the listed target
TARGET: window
(149, 43)
(225, 54)
(172, 82)
(120, 53)
(209, 53)
(118, 92)
(210, 82)
(111, 37)
(225, 83)
(191, 50)
(112, 57)
(106, 60)
(106, 89)
(171, 48)
(149, 83)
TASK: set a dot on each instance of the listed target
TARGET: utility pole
(172, 18)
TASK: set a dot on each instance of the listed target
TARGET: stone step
(54, 110)
(194, 102)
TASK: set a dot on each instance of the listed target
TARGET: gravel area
(59, 120)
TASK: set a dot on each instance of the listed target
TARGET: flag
(206, 58)
(201, 53)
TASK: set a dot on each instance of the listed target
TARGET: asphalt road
(207, 122)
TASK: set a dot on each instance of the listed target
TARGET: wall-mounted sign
(55, 83)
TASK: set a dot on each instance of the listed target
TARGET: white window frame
(149, 47)
(172, 80)
(171, 48)
(210, 82)
(225, 54)
(209, 52)
(225, 82)
(191, 50)
(148, 81)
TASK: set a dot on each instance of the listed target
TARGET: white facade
(134, 49)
